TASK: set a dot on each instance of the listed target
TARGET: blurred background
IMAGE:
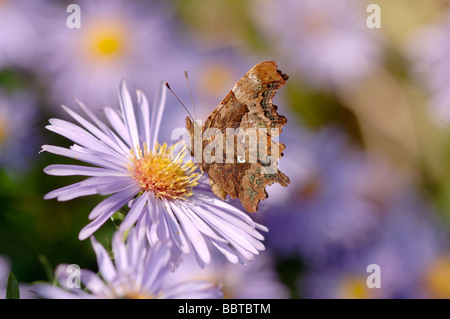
(367, 139)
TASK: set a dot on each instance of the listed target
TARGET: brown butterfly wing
(248, 106)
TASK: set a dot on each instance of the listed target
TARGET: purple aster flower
(408, 240)
(137, 271)
(429, 50)
(17, 116)
(256, 280)
(327, 41)
(18, 48)
(165, 195)
(116, 39)
(324, 210)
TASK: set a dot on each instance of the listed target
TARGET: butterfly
(245, 161)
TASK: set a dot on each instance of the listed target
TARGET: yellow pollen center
(353, 287)
(138, 295)
(437, 279)
(159, 172)
(105, 41)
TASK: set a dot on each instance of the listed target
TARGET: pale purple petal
(144, 117)
(114, 202)
(71, 170)
(118, 125)
(195, 237)
(176, 234)
(134, 213)
(104, 262)
(82, 156)
(126, 106)
(158, 109)
(109, 139)
(193, 289)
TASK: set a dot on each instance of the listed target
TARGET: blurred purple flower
(166, 196)
(408, 239)
(257, 280)
(429, 50)
(136, 271)
(17, 137)
(321, 213)
(19, 41)
(327, 41)
(117, 39)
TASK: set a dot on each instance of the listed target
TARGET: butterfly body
(245, 168)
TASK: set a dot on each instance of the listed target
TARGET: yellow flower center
(353, 287)
(138, 295)
(159, 172)
(105, 41)
(437, 279)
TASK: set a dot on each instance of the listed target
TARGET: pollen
(165, 175)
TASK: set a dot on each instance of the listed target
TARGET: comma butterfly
(246, 161)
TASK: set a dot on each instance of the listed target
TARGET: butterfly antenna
(168, 86)
(190, 92)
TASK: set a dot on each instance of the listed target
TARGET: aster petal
(109, 139)
(101, 125)
(137, 246)
(93, 226)
(208, 199)
(175, 232)
(158, 109)
(200, 224)
(90, 186)
(195, 237)
(157, 266)
(114, 184)
(63, 277)
(127, 108)
(84, 157)
(104, 262)
(194, 289)
(229, 253)
(134, 213)
(117, 123)
(236, 223)
(122, 163)
(120, 253)
(239, 240)
(71, 170)
(80, 136)
(157, 228)
(70, 192)
(144, 116)
(114, 202)
(49, 291)
(95, 285)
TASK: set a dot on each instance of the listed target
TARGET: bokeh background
(367, 139)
